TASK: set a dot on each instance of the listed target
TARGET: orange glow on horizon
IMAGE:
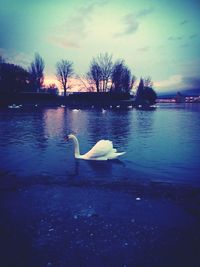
(50, 80)
(74, 84)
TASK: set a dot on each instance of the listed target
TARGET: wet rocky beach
(92, 223)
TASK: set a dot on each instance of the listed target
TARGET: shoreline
(87, 224)
(81, 99)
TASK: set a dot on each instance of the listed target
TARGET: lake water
(61, 212)
(161, 145)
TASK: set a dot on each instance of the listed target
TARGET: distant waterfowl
(153, 106)
(14, 106)
(75, 110)
(103, 110)
(62, 106)
(146, 107)
(103, 150)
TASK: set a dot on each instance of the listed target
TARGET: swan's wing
(102, 148)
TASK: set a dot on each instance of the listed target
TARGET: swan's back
(100, 150)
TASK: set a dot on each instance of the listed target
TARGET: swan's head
(68, 137)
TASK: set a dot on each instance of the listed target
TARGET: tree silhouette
(105, 63)
(13, 78)
(52, 89)
(122, 80)
(36, 70)
(116, 76)
(148, 82)
(140, 90)
(100, 71)
(64, 70)
(2, 60)
(145, 94)
(95, 74)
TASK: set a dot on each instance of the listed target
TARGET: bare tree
(100, 71)
(94, 74)
(64, 70)
(105, 63)
(148, 82)
(36, 71)
(86, 82)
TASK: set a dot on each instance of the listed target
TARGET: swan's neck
(76, 147)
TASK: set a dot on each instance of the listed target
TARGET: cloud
(179, 82)
(184, 45)
(75, 28)
(63, 42)
(175, 38)
(14, 57)
(144, 12)
(131, 25)
(193, 36)
(190, 68)
(172, 82)
(131, 22)
(143, 49)
(184, 22)
(191, 82)
(21, 59)
(2, 51)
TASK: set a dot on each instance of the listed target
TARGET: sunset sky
(156, 38)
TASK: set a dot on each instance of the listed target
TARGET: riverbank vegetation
(105, 80)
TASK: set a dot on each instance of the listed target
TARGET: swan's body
(103, 150)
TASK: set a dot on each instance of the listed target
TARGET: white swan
(103, 150)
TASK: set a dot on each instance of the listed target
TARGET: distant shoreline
(79, 99)
(83, 100)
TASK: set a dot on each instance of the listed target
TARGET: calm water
(161, 145)
(61, 212)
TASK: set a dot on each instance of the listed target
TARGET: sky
(156, 38)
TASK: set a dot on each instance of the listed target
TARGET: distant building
(50, 89)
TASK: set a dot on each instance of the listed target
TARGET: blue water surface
(161, 145)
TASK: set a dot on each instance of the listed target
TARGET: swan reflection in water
(88, 169)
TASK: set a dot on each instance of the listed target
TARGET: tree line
(103, 75)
